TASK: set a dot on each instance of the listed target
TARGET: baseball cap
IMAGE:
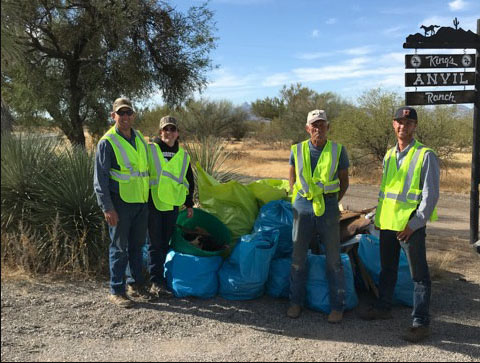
(406, 113)
(167, 120)
(122, 102)
(316, 115)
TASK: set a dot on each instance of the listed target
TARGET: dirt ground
(58, 320)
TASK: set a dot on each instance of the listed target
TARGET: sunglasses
(170, 128)
(127, 112)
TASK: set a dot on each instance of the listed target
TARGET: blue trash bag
(189, 275)
(244, 274)
(278, 283)
(277, 214)
(317, 284)
(369, 253)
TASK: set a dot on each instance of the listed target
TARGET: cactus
(456, 22)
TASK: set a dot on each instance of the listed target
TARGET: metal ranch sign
(439, 61)
(449, 74)
(433, 79)
(439, 97)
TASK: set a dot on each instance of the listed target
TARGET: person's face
(404, 128)
(318, 130)
(169, 134)
(124, 118)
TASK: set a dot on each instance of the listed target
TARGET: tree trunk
(76, 135)
(7, 119)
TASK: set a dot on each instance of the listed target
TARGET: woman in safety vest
(171, 185)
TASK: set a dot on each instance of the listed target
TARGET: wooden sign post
(450, 38)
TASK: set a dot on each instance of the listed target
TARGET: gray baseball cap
(316, 115)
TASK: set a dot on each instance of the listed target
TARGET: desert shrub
(48, 199)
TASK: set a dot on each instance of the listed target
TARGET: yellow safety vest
(168, 180)
(132, 177)
(313, 186)
(400, 192)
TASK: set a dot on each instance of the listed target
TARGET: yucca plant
(65, 198)
(24, 159)
(47, 188)
(211, 153)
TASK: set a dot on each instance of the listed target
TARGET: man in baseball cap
(406, 112)
(318, 178)
(407, 200)
(122, 102)
(316, 115)
(121, 183)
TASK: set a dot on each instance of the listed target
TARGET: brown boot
(121, 300)
(138, 292)
(294, 311)
(335, 317)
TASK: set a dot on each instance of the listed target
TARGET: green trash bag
(208, 222)
(266, 190)
(233, 203)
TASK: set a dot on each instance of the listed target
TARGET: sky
(346, 47)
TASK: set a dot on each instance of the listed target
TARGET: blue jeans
(417, 261)
(324, 229)
(161, 225)
(127, 240)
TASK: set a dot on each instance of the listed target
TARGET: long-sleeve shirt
(105, 159)
(168, 153)
(429, 184)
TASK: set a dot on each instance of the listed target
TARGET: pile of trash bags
(249, 228)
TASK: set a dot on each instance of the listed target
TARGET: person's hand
(189, 212)
(404, 235)
(111, 217)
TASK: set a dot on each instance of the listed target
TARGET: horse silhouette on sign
(430, 29)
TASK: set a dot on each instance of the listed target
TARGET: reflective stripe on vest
(160, 172)
(305, 189)
(126, 161)
(408, 179)
(312, 185)
(132, 176)
(168, 183)
(400, 192)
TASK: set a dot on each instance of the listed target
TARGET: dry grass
(271, 161)
(447, 255)
(258, 160)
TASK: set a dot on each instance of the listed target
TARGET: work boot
(158, 291)
(137, 292)
(121, 300)
(335, 317)
(416, 334)
(374, 313)
(294, 311)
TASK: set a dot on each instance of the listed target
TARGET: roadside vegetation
(50, 218)
(63, 63)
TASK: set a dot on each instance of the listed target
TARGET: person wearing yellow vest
(408, 196)
(171, 186)
(319, 179)
(121, 183)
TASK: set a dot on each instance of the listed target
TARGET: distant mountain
(247, 107)
(463, 110)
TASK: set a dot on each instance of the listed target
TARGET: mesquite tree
(79, 55)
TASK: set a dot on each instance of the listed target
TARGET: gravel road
(57, 320)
